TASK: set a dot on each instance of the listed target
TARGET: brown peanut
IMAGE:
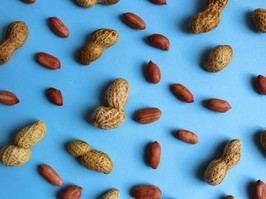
(208, 19)
(217, 169)
(16, 36)
(99, 41)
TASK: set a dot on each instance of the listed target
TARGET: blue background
(180, 173)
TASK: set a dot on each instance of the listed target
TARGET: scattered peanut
(20, 154)
(154, 155)
(100, 40)
(58, 27)
(71, 192)
(187, 136)
(113, 115)
(217, 169)
(29, 1)
(8, 98)
(261, 84)
(159, 41)
(148, 115)
(16, 36)
(55, 96)
(182, 93)
(218, 58)
(91, 159)
(159, 2)
(263, 140)
(49, 174)
(91, 3)
(48, 61)
(218, 105)
(111, 194)
(259, 19)
(259, 190)
(153, 73)
(134, 21)
(208, 19)
(146, 192)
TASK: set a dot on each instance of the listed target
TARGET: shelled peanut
(8, 98)
(16, 36)
(20, 153)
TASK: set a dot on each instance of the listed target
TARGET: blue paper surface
(180, 173)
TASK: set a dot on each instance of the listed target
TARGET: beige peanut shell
(107, 117)
(117, 94)
(100, 40)
(111, 194)
(91, 3)
(30, 135)
(97, 161)
(78, 148)
(208, 19)
(217, 169)
(16, 36)
(14, 156)
(259, 19)
(219, 58)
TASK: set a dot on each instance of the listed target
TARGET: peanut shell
(78, 148)
(218, 58)
(14, 156)
(111, 194)
(259, 19)
(100, 40)
(97, 161)
(107, 117)
(117, 94)
(30, 135)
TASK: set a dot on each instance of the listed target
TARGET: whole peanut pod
(259, 19)
(219, 58)
(208, 19)
(217, 169)
(99, 41)
(16, 36)
(91, 3)
(89, 158)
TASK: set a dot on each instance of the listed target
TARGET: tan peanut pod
(117, 94)
(208, 19)
(107, 117)
(16, 36)
(78, 148)
(14, 156)
(30, 135)
(263, 140)
(91, 3)
(217, 169)
(99, 41)
(259, 19)
(219, 58)
(111, 194)
(97, 161)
